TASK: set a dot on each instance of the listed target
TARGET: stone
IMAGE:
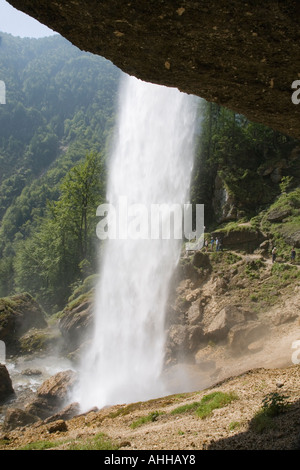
(292, 238)
(16, 418)
(277, 215)
(227, 318)
(217, 50)
(68, 412)
(6, 388)
(194, 313)
(76, 322)
(58, 426)
(19, 314)
(31, 372)
(53, 395)
(243, 238)
(178, 336)
(58, 386)
(183, 340)
(201, 260)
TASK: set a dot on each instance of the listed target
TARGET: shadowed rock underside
(244, 56)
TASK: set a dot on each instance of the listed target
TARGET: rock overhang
(241, 55)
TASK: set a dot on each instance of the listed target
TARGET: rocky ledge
(242, 55)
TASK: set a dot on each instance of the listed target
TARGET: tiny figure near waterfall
(274, 254)
(293, 254)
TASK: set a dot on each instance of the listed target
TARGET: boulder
(6, 388)
(68, 412)
(202, 260)
(18, 314)
(242, 238)
(76, 322)
(227, 318)
(194, 314)
(52, 395)
(58, 426)
(292, 238)
(58, 387)
(16, 418)
(183, 340)
(278, 214)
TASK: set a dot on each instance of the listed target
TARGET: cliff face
(241, 55)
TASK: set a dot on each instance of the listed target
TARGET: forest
(56, 130)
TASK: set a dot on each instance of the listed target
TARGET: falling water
(151, 163)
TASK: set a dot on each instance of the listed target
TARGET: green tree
(50, 260)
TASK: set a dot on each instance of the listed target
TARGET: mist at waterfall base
(151, 163)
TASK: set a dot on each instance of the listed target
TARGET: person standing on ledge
(274, 252)
(293, 255)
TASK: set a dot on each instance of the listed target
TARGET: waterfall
(151, 164)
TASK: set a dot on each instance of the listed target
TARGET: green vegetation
(40, 445)
(226, 257)
(55, 130)
(207, 404)
(150, 418)
(99, 442)
(239, 156)
(234, 425)
(273, 405)
(213, 401)
(185, 408)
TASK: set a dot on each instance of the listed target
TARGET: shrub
(273, 404)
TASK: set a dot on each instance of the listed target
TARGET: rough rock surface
(75, 323)
(6, 388)
(18, 314)
(243, 238)
(52, 395)
(228, 428)
(17, 418)
(242, 55)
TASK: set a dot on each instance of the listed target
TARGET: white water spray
(151, 164)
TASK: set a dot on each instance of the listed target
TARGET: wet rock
(58, 386)
(6, 388)
(76, 322)
(66, 413)
(183, 340)
(31, 372)
(53, 394)
(16, 418)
